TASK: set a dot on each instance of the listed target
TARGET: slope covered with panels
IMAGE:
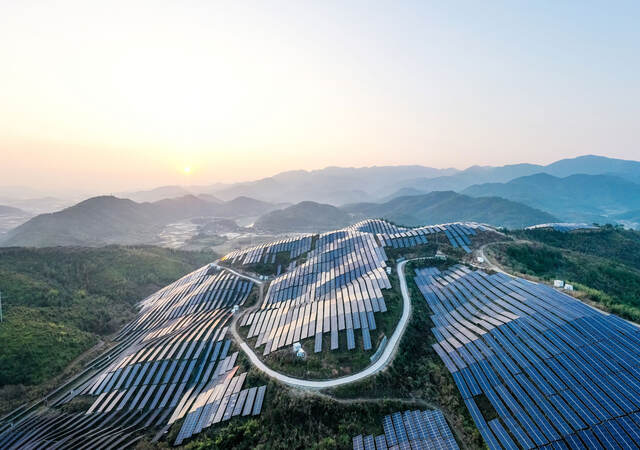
(266, 253)
(172, 361)
(410, 430)
(390, 235)
(555, 371)
(337, 288)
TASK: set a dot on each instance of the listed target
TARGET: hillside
(603, 266)
(589, 198)
(58, 302)
(11, 211)
(441, 207)
(111, 220)
(304, 217)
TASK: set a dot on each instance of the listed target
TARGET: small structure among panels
(410, 430)
(557, 372)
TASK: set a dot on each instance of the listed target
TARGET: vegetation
(608, 242)
(293, 419)
(335, 363)
(417, 371)
(448, 206)
(611, 284)
(59, 302)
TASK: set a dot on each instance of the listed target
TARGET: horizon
(85, 194)
(201, 93)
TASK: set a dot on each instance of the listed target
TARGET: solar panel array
(77, 431)
(564, 227)
(557, 372)
(337, 288)
(410, 430)
(266, 253)
(395, 236)
(172, 360)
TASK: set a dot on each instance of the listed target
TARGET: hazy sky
(110, 95)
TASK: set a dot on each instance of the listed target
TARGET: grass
(604, 282)
(335, 363)
(417, 372)
(60, 302)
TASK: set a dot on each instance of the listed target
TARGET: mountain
(153, 195)
(111, 220)
(588, 164)
(38, 205)
(589, 198)
(304, 217)
(630, 219)
(10, 218)
(594, 165)
(334, 185)
(11, 211)
(448, 206)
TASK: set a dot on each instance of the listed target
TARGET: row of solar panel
(411, 430)
(173, 348)
(77, 431)
(551, 367)
(338, 288)
(266, 253)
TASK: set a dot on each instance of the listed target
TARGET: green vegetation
(608, 242)
(59, 302)
(417, 371)
(448, 206)
(335, 363)
(612, 285)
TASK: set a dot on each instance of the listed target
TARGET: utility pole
(0, 306)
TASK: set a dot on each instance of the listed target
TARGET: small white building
(568, 287)
(558, 283)
(235, 309)
(388, 270)
(301, 354)
(480, 259)
(296, 346)
(440, 255)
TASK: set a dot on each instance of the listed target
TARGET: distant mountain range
(11, 211)
(426, 209)
(334, 185)
(590, 198)
(449, 206)
(110, 220)
(584, 189)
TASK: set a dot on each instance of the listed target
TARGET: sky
(108, 96)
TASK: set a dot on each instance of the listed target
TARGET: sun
(186, 170)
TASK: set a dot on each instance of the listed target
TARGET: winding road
(383, 361)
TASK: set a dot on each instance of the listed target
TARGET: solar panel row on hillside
(96, 431)
(266, 253)
(166, 359)
(389, 235)
(410, 430)
(555, 371)
(338, 287)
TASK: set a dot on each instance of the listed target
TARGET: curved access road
(382, 362)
